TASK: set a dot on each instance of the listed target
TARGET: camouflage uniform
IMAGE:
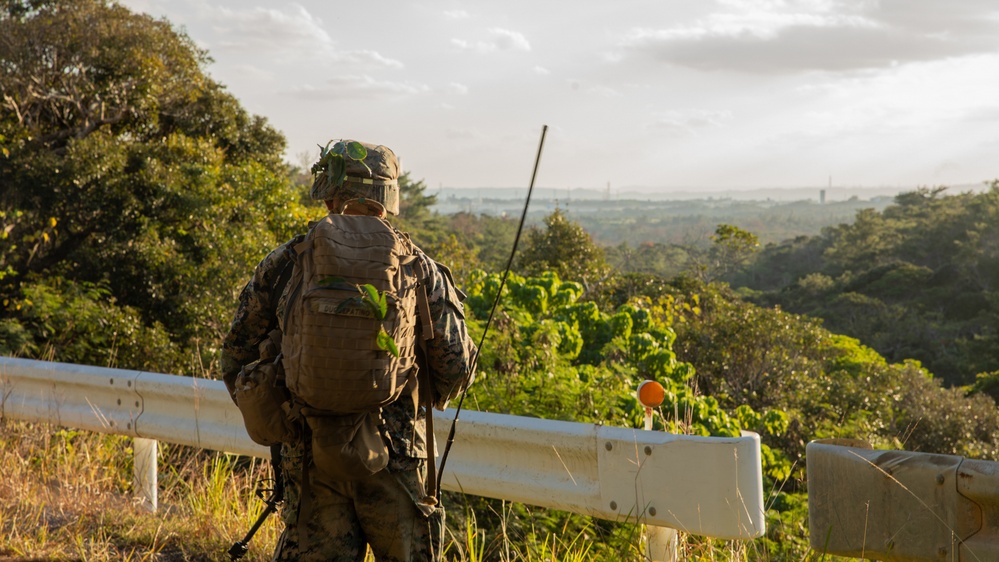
(336, 520)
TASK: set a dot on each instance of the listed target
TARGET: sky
(649, 95)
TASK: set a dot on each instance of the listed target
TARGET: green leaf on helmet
(336, 170)
(356, 150)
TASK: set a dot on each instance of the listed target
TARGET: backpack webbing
(332, 359)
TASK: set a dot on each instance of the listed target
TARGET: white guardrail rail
(710, 486)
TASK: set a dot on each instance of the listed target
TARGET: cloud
(253, 72)
(456, 14)
(542, 70)
(779, 36)
(507, 40)
(268, 29)
(982, 115)
(594, 89)
(462, 134)
(365, 58)
(689, 122)
(360, 87)
(498, 39)
(457, 89)
(603, 91)
(291, 31)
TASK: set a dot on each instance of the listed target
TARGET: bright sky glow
(656, 95)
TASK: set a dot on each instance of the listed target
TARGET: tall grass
(66, 495)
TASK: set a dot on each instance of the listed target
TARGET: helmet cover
(352, 169)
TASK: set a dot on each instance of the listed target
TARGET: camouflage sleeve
(255, 316)
(451, 352)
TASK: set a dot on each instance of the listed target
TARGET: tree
(415, 206)
(731, 249)
(564, 248)
(132, 182)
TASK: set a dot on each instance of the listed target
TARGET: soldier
(394, 510)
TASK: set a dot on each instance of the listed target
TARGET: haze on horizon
(644, 95)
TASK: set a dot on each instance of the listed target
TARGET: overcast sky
(650, 94)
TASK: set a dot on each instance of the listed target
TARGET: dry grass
(65, 495)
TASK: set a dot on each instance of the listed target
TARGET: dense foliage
(919, 280)
(137, 191)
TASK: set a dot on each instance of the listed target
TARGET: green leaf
(382, 306)
(386, 343)
(375, 302)
(339, 171)
(356, 150)
(370, 292)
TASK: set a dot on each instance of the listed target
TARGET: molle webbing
(333, 362)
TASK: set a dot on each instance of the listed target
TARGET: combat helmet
(355, 170)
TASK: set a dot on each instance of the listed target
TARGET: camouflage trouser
(337, 520)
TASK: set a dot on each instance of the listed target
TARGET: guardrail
(901, 505)
(710, 486)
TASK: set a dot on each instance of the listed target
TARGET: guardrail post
(144, 471)
(660, 544)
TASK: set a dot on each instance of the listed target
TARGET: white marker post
(660, 542)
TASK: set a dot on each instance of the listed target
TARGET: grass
(66, 495)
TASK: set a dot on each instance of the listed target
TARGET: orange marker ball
(651, 394)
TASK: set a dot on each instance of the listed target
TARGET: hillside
(917, 280)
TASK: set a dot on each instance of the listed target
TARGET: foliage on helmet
(331, 168)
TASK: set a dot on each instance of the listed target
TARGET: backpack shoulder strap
(426, 322)
(426, 326)
(282, 282)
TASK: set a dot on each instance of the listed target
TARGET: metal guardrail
(901, 505)
(708, 486)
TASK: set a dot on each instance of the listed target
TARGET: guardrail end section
(901, 505)
(710, 486)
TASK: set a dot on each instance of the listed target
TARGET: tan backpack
(333, 361)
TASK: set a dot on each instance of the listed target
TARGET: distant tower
(607, 194)
(822, 197)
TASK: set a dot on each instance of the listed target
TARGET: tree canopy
(563, 247)
(919, 280)
(134, 184)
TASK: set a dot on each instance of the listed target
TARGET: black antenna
(499, 295)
